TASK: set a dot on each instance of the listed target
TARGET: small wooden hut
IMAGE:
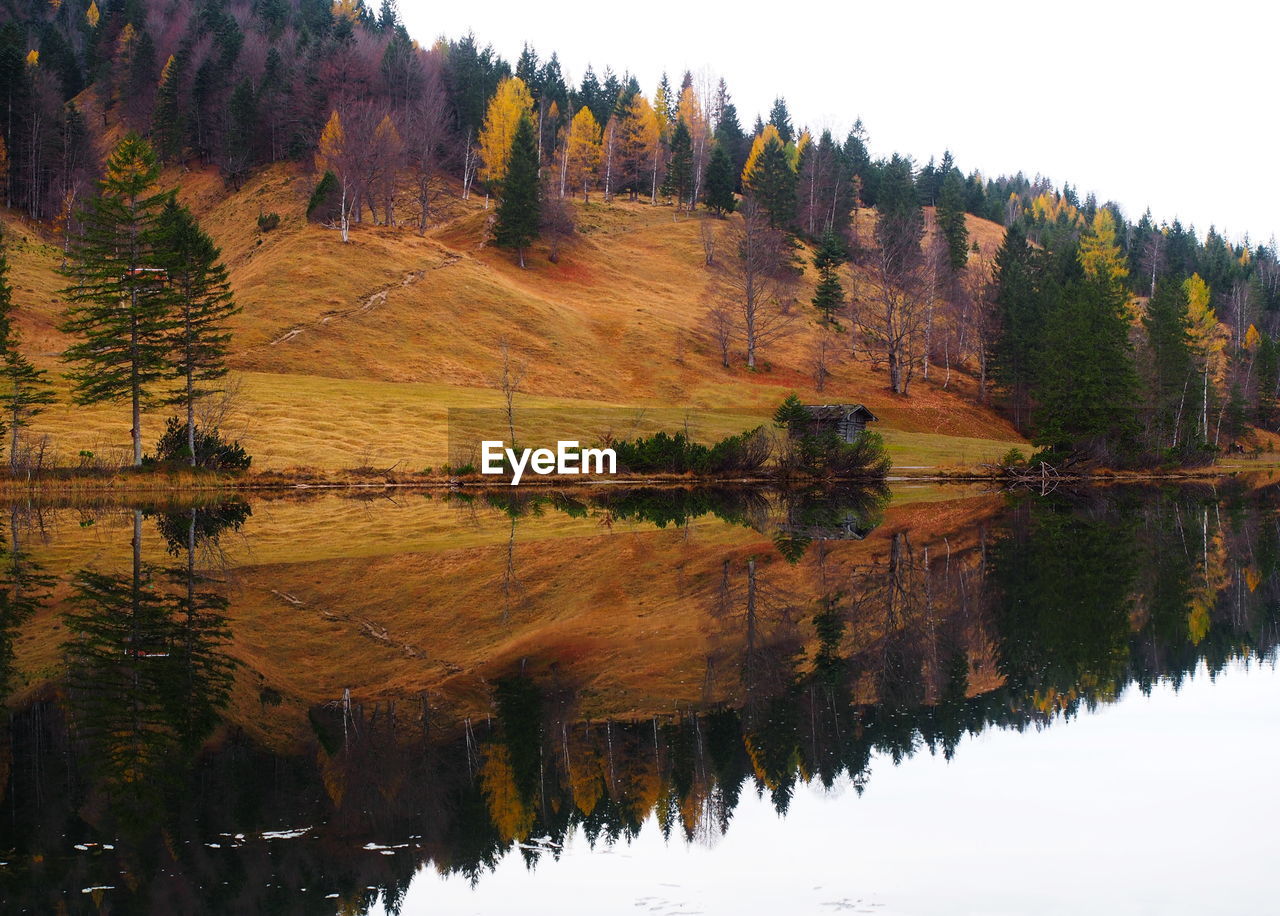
(846, 420)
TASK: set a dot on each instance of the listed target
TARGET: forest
(1104, 338)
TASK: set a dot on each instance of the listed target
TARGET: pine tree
(719, 183)
(899, 220)
(771, 179)
(118, 303)
(518, 215)
(24, 389)
(202, 301)
(828, 297)
(168, 124)
(1173, 390)
(679, 178)
(951, 210)
(1085, 385)
(780, 118)
(1020, 319)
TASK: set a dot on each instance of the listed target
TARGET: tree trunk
(135, 385)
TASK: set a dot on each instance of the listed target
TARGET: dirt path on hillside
(366, 304)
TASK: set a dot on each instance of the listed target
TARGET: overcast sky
(1168, 105)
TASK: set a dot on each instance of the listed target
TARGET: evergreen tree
(729, 135)
(1020, 319)
(24, 389)
(719, 183)
(118, 303)
(899, 219)
(1268, 368)
(1172, 366)
(951, 210)
(780, 118)
(202, 301)
(518, 213)
(772, 181)
(1085, 385)
(828, 297)
(679, 178)
(168, 124)
(242, 122)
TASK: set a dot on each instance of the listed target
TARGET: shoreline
(303, 479)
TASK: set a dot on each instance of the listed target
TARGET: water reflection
(637, 654)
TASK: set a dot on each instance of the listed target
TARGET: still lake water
(707, 701)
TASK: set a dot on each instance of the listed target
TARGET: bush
(213, 453)
(826, 454)
(268, 221)
(665, 454)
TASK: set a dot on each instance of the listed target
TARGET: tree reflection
(827, 658)
(146, 671)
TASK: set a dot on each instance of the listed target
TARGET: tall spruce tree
(679, 179)
(951, 210)
(772, 182)
(1020, 322)
(1086, 387)
(119, 305)
(24, 389)
(202, 304)
(780, 118)
(519, 211)
(719, 183)
(828, 297)
(1173, 373)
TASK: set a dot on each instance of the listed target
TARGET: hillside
(351, 355)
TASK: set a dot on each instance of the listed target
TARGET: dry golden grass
(352, 354)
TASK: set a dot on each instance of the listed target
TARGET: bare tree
(556, 220)
(707, 231)
(757, 281)
(720, 322)
(427, 152)
(820, 356)
(510, 376)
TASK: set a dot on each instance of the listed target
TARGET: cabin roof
(838, 411)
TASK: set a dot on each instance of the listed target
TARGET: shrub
(213, 453)
(666, 454)
(268, 221)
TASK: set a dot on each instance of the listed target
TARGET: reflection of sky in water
(1150, 805)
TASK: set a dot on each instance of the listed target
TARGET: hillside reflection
(158, 756)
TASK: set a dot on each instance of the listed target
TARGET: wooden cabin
(846, 420)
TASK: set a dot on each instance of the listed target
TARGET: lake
(676, 701)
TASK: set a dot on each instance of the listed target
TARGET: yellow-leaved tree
(1100, 253)
(583, 151)
(33, 58)
(509, 104)
(91, 15)
(757, 147)
(1209, 339)
(333, 154)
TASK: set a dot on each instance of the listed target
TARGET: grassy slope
(352, 354)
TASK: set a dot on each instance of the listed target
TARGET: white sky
(1163, 104)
